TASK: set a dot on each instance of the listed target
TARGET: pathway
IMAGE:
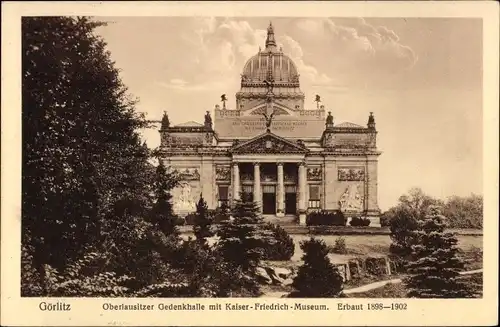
(369, 287)
(372, 286)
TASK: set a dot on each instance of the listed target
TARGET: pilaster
(302, 193)
(330, 182)
(257, 192)
(236, 181)
(280, 191)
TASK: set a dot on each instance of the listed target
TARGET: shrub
(385, 220)
(435, 265)
(317, 277)
(325, 218)
(280, 246)
(202, 222)
(189, 219)
(339, 246)
(360, 222)
(402, 226)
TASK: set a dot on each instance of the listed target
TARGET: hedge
(325, 218)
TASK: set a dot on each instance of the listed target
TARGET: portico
(276, 183)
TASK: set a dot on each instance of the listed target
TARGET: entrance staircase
(288, 222)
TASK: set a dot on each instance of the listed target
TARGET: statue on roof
(317, 100)
(269, 120)
(329, 119)
(223, 99)
(371, 121)
(208, 120)
(165, 122)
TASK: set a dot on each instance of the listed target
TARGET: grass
(388, 291)
(361, 245)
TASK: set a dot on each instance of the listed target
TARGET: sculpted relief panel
(351, 174)
(223, 173)
(188, 174)
(185, 201)
(314, 173)
(352, 199)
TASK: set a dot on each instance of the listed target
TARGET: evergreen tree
(82, 154)
(317, 277)
(435, 264)
(241, 238)
(403, 220)
(162, 215)
(202, 222)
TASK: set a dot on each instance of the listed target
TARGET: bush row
(215, 215)
(325, 218)
(360, 222)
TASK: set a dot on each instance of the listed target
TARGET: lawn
(359, 245)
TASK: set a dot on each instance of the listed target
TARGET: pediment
(269, 143)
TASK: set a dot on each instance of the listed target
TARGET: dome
(270, 63)
(266, 64)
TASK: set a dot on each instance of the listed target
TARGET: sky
(422, 78)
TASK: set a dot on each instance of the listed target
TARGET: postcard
(250, 163)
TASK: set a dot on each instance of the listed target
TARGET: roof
(348, 125)
(189, 124)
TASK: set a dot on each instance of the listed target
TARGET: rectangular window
(223, 194)
(314, 196)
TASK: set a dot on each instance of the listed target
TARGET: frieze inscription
(259, 125)
(351, 174)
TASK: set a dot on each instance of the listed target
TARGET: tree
(82, 154)
(435, 264)
(465, 212)
(241, 242)
(202, 222)
(162, 215)
(240, 239)
(317, 277)
(403, 220)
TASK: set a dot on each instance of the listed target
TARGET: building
(271, 149)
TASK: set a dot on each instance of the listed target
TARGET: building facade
(270, 149)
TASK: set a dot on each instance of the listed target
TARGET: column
(302, 193)
(236, 181)
(257, 193)
(280, 192)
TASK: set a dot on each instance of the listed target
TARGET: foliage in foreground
(435, 264)
(279, 246)
(241, 242)
(317, 277)
(82, 154)
(339, 246)
(202, 222)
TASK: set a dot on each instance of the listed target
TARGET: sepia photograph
(255, 156)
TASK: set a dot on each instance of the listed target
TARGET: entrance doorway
(290, 200)
(269, 199)
(290, 203)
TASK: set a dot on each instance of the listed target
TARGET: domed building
(271, 150)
